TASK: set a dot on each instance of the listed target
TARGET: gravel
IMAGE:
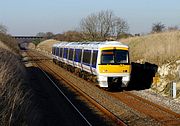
(167, 102)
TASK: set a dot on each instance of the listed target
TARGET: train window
(114, 56)
(71, 54)
(121, 56)
(57, 51)
(87, 56)
(60, 53)
(54, 50)
(65, 53)
(78, 53)
(94, 58)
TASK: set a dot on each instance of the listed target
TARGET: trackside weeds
(13, 95)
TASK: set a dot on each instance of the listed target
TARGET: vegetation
(10, 42)
(124, 35)
(3, 29)
(12, 92)
(13, 95)
(46, 45)
(173, 28)
(71, 36)
(158, 27)
(36, 41)
(156, 48)
(47, 35)
(102, 25)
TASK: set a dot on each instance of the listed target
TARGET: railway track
(145, 110)
(159, 113)
(44, 67)
(37, 61)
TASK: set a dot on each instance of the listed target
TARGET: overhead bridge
(26, 39)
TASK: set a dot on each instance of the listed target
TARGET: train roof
(94, 45)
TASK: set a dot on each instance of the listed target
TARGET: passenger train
(106, 63)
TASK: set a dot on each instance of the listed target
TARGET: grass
(10, 42)
(13, 103)
(157, 48)
(2, 45)
(47, 45)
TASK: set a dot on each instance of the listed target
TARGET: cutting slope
(47, 45)
(157, 48)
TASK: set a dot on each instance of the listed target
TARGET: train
(107, 63)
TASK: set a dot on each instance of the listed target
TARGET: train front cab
(113, 67)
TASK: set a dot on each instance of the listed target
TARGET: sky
(28, 17)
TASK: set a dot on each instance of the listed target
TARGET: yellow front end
(114, 66)
(114, 69)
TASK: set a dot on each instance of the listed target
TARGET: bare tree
(89, 25)
(121, 26)
(173, 28)
(47, 35)
(41, 34)
(102, 25)
(105, 20)
(158, 27)
(3, 29)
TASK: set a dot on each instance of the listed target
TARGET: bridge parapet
(26, 39)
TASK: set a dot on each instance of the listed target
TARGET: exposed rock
(168, 73)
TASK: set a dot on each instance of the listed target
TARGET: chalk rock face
(163, 70)
(168, 73)
(178, 68)
(170, 70)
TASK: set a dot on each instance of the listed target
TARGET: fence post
(173, 89)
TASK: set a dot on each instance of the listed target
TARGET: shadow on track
(48, 107)
(142, 76)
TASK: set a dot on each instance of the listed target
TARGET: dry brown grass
(47, 45)
(10, 42)
(31, 46)
(12, 93)
(2, 45)
(155, 48)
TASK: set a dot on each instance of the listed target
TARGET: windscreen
(114, 57)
